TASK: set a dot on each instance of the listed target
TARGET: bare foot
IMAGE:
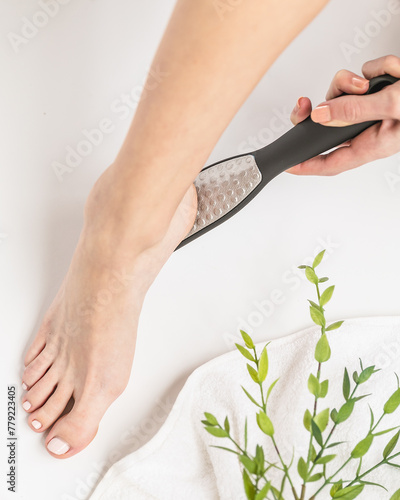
(85, 346)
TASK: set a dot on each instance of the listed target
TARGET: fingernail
(24, 386)
(58, 446)
(322, 114)
(26, 405)
(36, 424)
(358, 82)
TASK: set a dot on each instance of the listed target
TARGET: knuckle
(341, 75)
(391, 105)
(395, 101)
(351, 110)
(391, 61)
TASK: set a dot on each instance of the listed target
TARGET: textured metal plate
(222, 187)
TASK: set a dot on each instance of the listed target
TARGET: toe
(38, 344)
(46, 415)
(74, 431)
(40, 391)
(38, 367)
(35, 349)
(71, 434)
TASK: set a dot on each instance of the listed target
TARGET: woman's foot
(84, 348)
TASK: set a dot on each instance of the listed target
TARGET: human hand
(379, 141)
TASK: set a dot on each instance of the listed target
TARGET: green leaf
(349, 493)
(263, 492)
(250, 465)
(324, 388)
(366, 374)
(247, 340)
(259, 459)
(380, 433)
(314, 385)
(346, 384)
(391, 445)
(253, 373)
(392, 403)
(302, 469)
(396, 495)
(245, 434)
(210, 418)
(372, 418)
(345, 411)
(322, 280)
(322, 419)
(334, 416)
(311, 276)
(313, 453)
(313, 304)
(245, 352)
(335, 444)
(336, 487)
(318, 259)
(324, 460)
(265, 424)
(263, 365)
(307, 420)
(249, 487)
(327, 295)
(270, 389)
(362, 447)
(217, 432)
(301, 267)
(251, 397)
(334, 326)
(227, 427)
(315, 477)
(355, 377)
(322, 349)
(316, 432)
(373, 484)
(317, 316)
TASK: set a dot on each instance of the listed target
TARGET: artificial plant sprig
(320, 456)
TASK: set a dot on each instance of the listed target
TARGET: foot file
(226, 187)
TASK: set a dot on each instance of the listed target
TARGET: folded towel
(178, 462)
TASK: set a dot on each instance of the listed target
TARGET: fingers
(388, 64)
(379, 141)
(348, 82)
(347, 110)
(301, 111)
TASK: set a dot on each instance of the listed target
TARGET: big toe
(71, 434)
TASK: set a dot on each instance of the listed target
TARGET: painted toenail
(26, 405)
(58, 446)
(24, 386)
(36, 424)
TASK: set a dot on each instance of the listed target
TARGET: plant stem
(264, 407)
(327, 481)
(382, 462)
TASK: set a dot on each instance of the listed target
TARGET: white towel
(179, 464)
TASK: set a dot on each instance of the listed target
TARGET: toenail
(26, 405)
(58, 446)
(24, 386)
(36, 424)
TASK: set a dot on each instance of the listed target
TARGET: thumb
(347, 110)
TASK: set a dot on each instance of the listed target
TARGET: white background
(66, 79)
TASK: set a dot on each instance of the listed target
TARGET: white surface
(186, 465)
(67, 78)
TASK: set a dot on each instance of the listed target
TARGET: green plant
(313, 467)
